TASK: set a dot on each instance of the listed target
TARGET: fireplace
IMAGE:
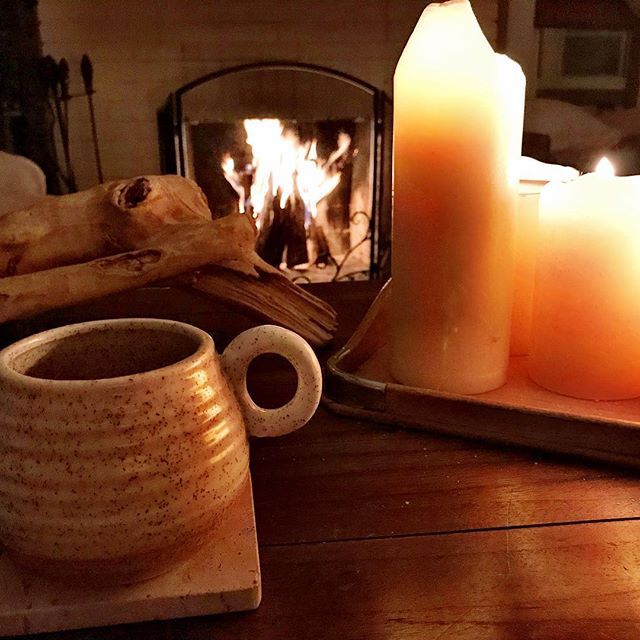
(301, 149)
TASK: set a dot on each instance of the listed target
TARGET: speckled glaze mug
(123, 444)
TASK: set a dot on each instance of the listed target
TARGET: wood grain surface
(578, 581)
(368, 481)
(565, 582)
(369, 532)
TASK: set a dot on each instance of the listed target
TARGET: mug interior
(104, 352)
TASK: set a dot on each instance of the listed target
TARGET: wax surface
(458, 110)
(534, 175)
(586, 316)
(524, 268)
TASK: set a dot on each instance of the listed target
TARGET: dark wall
(25, 119)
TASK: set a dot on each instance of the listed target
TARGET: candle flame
(605, 169)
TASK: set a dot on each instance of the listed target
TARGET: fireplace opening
(301, 150)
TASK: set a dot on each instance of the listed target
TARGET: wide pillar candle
(458, 111)
(585, 338)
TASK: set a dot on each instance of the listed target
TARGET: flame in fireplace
(283, 169)
(233, 178)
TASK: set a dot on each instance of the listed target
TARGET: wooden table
(368, 532)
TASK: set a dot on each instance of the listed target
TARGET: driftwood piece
(270, 297)
(127, 234)
(107, 219)
(176, 251)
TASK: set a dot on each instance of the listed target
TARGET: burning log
(323, 252)
(294, 214)
(284, 232)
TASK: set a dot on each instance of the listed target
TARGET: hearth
(301, 149)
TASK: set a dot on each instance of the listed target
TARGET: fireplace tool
(86, 69)
(56, 77)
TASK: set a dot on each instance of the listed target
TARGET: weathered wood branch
(176, 251)
(107, 219)
(131, 233)
(270, 297)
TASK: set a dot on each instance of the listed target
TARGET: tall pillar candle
(585, 335)
(458, 111)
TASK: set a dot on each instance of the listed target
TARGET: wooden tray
(224, 576)
(521, 413)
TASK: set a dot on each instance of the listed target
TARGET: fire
(284, 169)
(604, 168)
(233, 178)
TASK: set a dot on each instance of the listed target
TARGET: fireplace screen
(300, 150)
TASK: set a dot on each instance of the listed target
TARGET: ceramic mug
(123, 444)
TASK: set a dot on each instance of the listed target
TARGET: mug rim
(203, 341)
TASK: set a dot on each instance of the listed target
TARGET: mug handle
(272, 339)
